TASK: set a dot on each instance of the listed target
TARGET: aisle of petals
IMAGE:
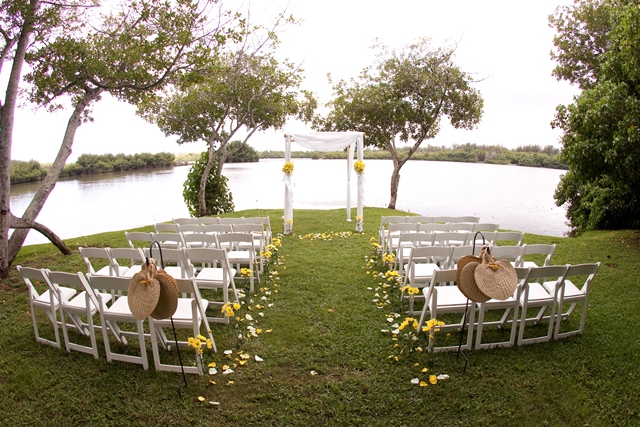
(388, 293)
(245, 319)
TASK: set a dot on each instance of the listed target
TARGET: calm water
(518, 198)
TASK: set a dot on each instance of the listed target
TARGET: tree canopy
(239, 92)
(401, 100)
(598, 48)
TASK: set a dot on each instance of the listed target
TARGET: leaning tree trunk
(202, 191)
(7, 112)
(22, 225)
(395, 181)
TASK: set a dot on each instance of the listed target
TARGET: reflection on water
(519, 198)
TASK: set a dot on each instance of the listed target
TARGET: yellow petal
(201, 399)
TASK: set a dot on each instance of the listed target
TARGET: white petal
(213, 371)
(228, 352)
(258, 358)
(415, 381)
(248, 316)
(442, 377)
(228, 371)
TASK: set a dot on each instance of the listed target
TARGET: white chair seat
(537, 293)
(211, 273)
(131, 271)
(120, 307)
(450, 297)
(45, 297)
(570, 290)
(425, 270)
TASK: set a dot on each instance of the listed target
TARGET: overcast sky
(506, 43)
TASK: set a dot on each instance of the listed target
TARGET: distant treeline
(529, 155)
(90, 163)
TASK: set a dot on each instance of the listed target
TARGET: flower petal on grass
(258, 358)
(415, 381)
(201, 399)
(213, 371)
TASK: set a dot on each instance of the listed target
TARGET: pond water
(518, 198)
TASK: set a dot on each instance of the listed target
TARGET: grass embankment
(324, 320)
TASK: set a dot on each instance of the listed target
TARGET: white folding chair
(450, 238)
(423, 261)
(432, 227)
(172, 261)
(84, 304)
(168, 240)
(481, 238)
(513, 254)
(199, 240)
(262, 220)
(138, 239)
(182, 221)
(508, 237)
(420, 219)
(460, 226)
(571, 292)
(443, 219)
(211, 270)
(383, 232)
(509, 308)
(535, 295)
(241, 252)
(117, 312)
(205, 220)
(100, 256)
(458, 252)
(259, 238)
(536, 249)
(486, 226)
(443, 297)
(134, 257)
(393, 233)
(161, 227)
(46, 301)
(218, 228)
(230, 221)
(190, 314)
(407, 241)
(190, 228)
(473, 219)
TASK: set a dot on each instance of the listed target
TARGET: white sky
(506, 42)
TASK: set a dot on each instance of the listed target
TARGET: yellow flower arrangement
(287, 168)
(358, 166)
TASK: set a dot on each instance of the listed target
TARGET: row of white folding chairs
(176, 261)
(71, 301)
(237, 243)
(424, 260)
(401, 245)
(485, 231)
(255, 227)
(264, 220)
(386, 221)
(554, 290)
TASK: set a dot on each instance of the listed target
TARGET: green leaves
(601, 138)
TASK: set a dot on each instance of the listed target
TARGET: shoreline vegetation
(87, 164)
(324, 356)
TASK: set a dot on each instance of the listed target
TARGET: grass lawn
(326, 361)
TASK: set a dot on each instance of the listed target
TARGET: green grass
(323, 319)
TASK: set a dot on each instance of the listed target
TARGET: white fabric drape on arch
(326, 141)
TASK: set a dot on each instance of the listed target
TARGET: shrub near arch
(218, 197)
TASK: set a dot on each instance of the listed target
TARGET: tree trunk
(202, 191)
(395, 181)
(7, 113)
(48, 184)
